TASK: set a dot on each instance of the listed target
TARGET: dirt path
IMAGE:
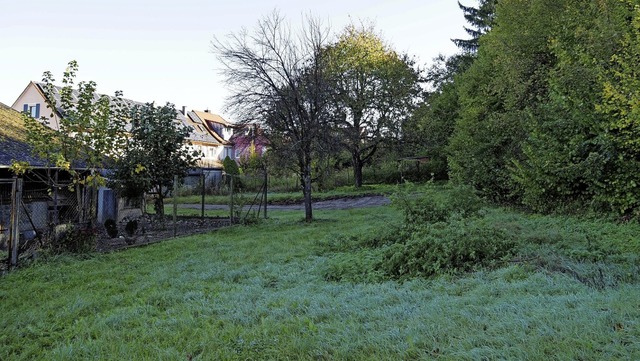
(342, 203)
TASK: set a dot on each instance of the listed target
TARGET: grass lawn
(258, 293)
(292, 197)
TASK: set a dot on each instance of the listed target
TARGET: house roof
(199, 134)
(13, 144)
(204, 122)
(215, 118)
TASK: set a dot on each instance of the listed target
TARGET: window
(32, 109)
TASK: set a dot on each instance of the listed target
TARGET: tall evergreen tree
(481, 20)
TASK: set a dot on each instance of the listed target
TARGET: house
(249, 139)
(210, 133)
(213, 146)
(219, 129)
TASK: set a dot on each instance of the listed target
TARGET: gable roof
(215, 118)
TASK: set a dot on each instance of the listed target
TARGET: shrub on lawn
(459, 245)
(443, 232)
(436, 203)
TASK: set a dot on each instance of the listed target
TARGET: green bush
(436, 203)
(460, 245)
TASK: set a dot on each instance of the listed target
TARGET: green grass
(258, 293)
(293, 197)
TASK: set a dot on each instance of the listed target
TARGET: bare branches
(277, 79)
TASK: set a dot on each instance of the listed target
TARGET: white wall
(32, 96)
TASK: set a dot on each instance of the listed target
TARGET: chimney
(184, 110)
(206, 110)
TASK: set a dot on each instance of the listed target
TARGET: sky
(158, 50)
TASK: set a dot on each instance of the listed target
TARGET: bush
(436, 203)
(442, 233)
(461, 245)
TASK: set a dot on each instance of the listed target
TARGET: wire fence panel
(6, 186)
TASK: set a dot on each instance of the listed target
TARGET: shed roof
(13, 146)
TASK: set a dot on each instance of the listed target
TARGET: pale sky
(158, 50)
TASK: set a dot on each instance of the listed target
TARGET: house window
(33, 110)
(238, 152)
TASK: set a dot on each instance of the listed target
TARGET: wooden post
(202, 203)
(175, 206)
(231, 199)
(14, 235)
(266, 178)
(56, 218)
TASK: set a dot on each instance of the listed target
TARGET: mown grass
(259, 293)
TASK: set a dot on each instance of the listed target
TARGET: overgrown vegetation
(540, 107)
(448, 230)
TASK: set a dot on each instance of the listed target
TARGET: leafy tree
(155, 152)
(278, 79)
(86, 131)
(572, 156)
(374, 92)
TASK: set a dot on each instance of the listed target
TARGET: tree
(374, 91)
(88, 134)
(155, 152)
(500, 95)
(481, 19)
(573, 157)
(278, 78)
(620, 105)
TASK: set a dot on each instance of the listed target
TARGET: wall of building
(32, 97)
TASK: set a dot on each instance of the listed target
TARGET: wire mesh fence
(31, 209)
(240, 196)
(32, 217)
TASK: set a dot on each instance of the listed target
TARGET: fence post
(14, 236)
(266, 178)
(202, 179)
(231, 199)
(175, 206)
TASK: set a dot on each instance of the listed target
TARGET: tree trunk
(306, 191)
(159, 203)
(357, 170)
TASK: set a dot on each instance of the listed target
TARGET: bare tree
(277, 79)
